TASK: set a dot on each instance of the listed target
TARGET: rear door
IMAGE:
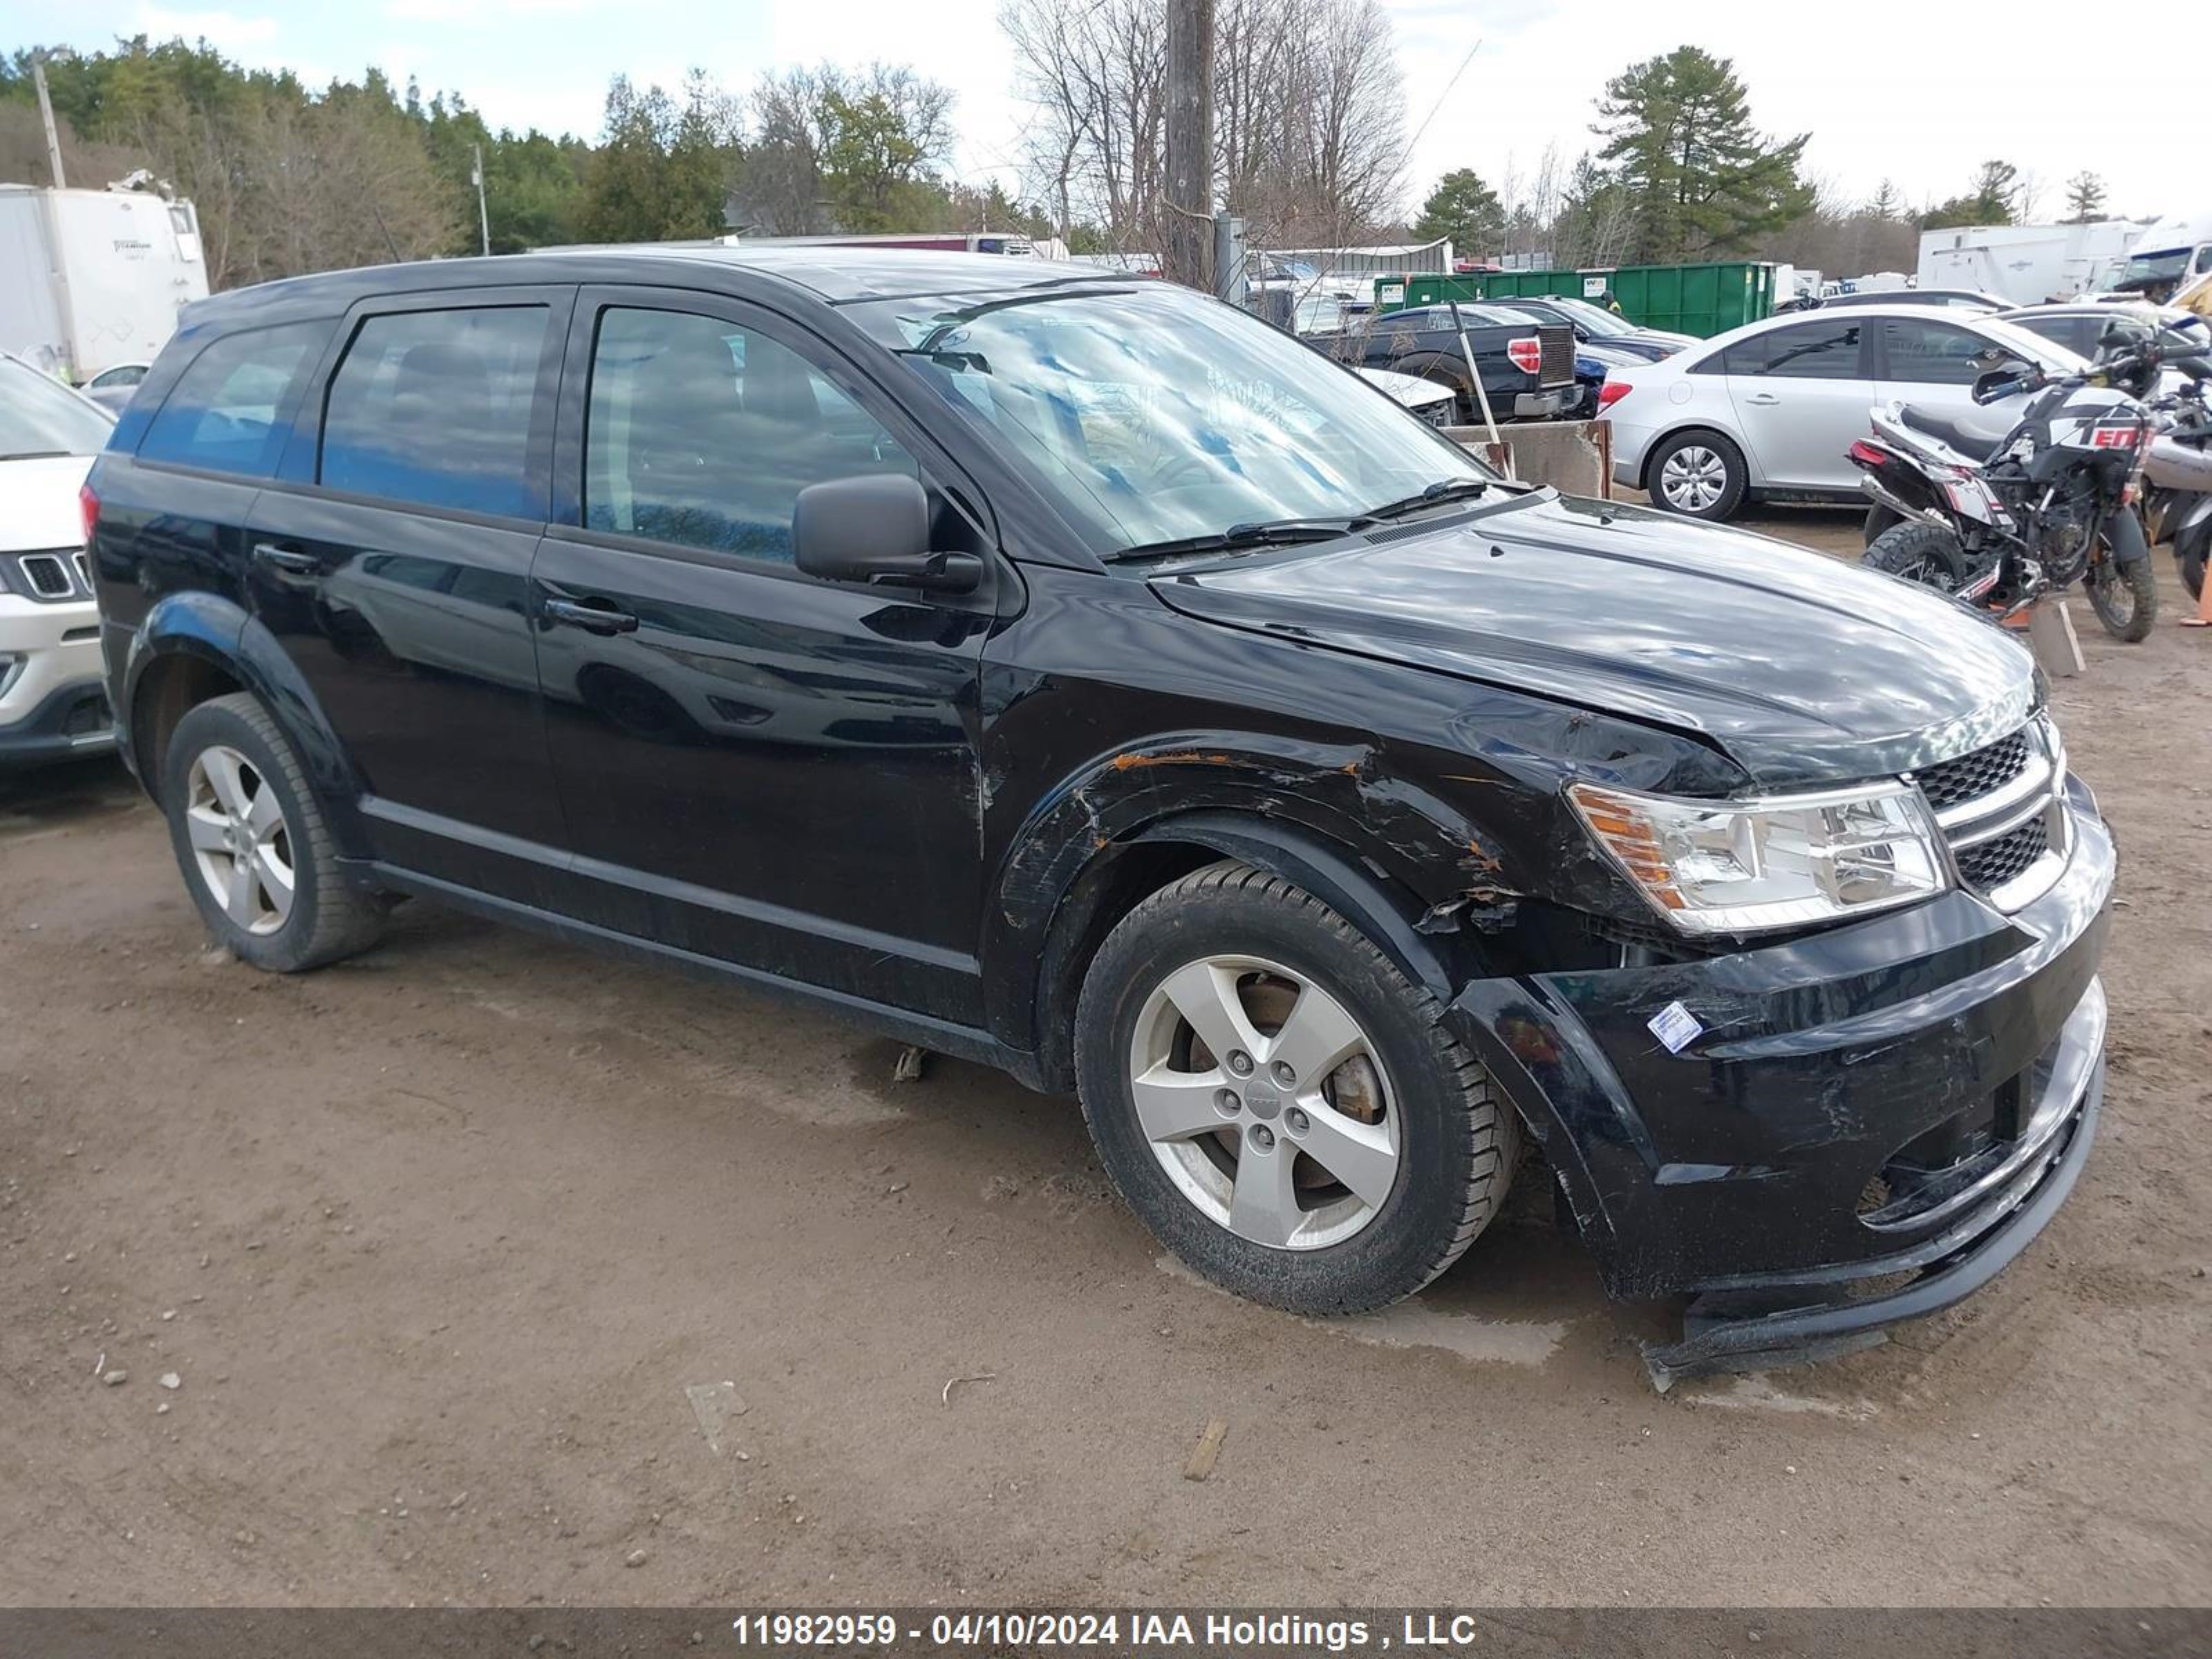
(1933, 365)
(391, 557)
(1801, 395)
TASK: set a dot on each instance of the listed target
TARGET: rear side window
(1811, 351)
(435, 408)
(222, 414)
(1938, 353)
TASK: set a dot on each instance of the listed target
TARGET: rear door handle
(296, 560)
(592, 618)
(1762, 399)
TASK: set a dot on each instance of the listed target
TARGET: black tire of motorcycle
(1909, 547)
(2192, 560)
(1878, 519)
(2133, 625)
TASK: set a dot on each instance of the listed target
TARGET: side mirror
(874, 528)
(1994, 384)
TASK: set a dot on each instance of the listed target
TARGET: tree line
(1681, 172)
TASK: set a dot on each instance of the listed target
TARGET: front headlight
(1721, 867)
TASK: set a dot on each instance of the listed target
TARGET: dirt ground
(436, 1242)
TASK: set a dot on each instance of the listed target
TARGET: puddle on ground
(1412, 1324)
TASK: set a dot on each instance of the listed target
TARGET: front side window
(1150, 414)
(1811, 351)
(702, 432)
(221, 413)
(1937, 354)
(435, 408)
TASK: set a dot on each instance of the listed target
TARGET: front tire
(1281, 1106)
(2124, 598)
(1699, 475)
(1926, 554)
(256, 850)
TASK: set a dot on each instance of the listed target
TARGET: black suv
(1078, 675)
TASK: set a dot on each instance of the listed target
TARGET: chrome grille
(1954, 782)
(2002, 811)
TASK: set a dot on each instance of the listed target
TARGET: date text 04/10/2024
(1096, 1629)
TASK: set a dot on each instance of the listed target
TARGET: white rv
(2027, 264)
(91, 278)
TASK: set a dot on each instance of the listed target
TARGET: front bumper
(54, 703)
(1874, 1120)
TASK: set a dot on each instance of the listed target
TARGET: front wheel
(2124, 596)
(1913, 551)
(1282, 1108)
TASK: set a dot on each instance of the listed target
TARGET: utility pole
(483, 213)
(1190, 144)
(46, 115)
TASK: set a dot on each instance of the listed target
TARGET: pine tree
(2085, 198)
(1996, 188)
(1464, 209)
(1699, 179)
(1887, 203)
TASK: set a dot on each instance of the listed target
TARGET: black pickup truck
(1528, 367)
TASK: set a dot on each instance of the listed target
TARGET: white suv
(52, 704)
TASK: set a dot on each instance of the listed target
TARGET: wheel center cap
(1260, 1099)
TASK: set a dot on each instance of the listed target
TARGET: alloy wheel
(1693, 479)
(239, 841)
(1265, 1103)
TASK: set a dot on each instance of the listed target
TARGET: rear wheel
(1282, 1107)
(2124, 596)
(1700, 475)
(256, 851)
(1926, 554)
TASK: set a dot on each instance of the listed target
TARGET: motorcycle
(2000, 522)
(2178, 479)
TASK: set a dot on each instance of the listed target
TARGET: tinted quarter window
(221, 413)
(1937, 354)
(435, 407)
(701, 432)
(1813, 351)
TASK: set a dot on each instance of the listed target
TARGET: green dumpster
(1702, 300)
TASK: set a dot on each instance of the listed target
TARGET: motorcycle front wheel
(2124, 596)
(1916, 552)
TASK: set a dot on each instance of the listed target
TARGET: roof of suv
(835, 275)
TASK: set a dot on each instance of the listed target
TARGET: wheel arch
(193, 647)
(1385, 859)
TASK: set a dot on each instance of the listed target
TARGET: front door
(754, 766)
(1801, 395)
(394, 568)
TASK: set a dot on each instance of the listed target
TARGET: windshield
(39, 417)
(2167, 266)
(1153, 416)
(1596, 320)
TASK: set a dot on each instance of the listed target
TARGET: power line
(1441, 96)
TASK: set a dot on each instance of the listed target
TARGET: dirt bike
(2001, 521)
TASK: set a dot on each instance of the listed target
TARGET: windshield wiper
(1267, 532)
(1444, 489)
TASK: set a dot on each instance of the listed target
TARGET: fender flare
(221, 633)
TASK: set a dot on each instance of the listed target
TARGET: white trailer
(91, 278)
(2027, 264)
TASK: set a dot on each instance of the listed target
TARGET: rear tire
(1926, 554)
(2126, 599)
(1284, 1182)
(256, 850)
(1699, 475)
(1878, 519)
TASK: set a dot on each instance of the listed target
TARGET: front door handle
(294, 560)
(1762, 399)
(592, 618)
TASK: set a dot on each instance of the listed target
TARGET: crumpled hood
(1802, 668)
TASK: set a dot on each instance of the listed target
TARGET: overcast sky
(1920, 94)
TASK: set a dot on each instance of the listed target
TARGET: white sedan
(1766, 411)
